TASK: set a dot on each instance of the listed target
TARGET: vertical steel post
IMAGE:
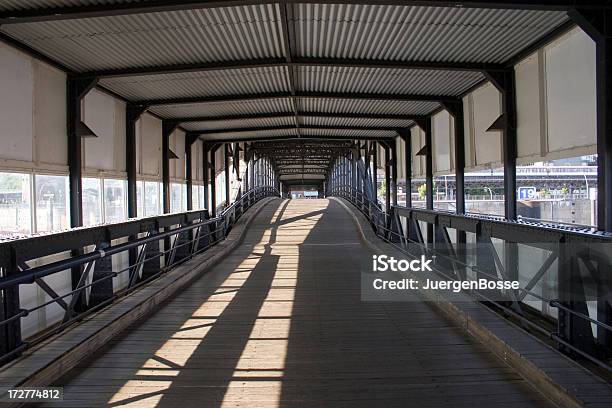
(213, 181)
(132, 114)
(504, 81)
(167, 128)
(76, 91)
(394, 173)
(190, 139)
(226, 169)
(406, 135)
(456, 111)
(598, 25)
(205, 176)
(425, 125)
(247, 162)
(387, 178)
(375, 170)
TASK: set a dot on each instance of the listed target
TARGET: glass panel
(114, 200)
(382, 185)
(175, 197)
(195, 196)
(52, 208)
(92, 201)
(139, 198)
(561, 191)
(183, 197)
(201, 197)
(444, 193)
(418, 191)
(151, 200)
(484, 192)
(15, 211)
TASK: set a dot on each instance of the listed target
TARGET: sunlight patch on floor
(264, 354)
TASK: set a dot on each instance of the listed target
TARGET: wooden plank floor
(280, 323)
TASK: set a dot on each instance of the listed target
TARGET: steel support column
(247, 162)
(213, 179)
(505, 83)
(205, 175)
(167, 128)
(76, 91)
(132, 115)
(425, 125)
(393, 148)
(190, 139)
(387, 178)
(406, 135)
(598, 25)
(456, 111)
(374, 170)
(226, 169)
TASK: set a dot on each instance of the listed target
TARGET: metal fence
(91, 259)
(571, 307)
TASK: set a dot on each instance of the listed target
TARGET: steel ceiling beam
(305, 95)
(294, 138)
(302, 114)
(293, 63)
(289, 50)
(154, 6)
(284, 127)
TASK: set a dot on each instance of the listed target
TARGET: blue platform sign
(526, 193)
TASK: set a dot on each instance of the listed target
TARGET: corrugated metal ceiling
(250, 134)
(244, 123)
(251, 32)
(34, 4)
(330, 105)
(417, 33)
(360, 122)
(223, 108)
(153, 39)
(384, 80)
(207, 83)
(348, 133)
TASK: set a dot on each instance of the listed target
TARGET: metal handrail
(199, 230)
(358, 199)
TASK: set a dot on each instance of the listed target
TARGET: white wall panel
(486, 109)
(219, 159)
(418, 162)
(177, 145)
(380, 156)
(571, 92)
(149, 145)
(529, 97)
(468, 131)
(443, 138)
(50, 134)
(16, 103)
(197, 157)
(401, 157)
(106, 117)
(119, 135)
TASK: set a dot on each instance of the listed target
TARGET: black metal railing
(154, 245)
(583, 258)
